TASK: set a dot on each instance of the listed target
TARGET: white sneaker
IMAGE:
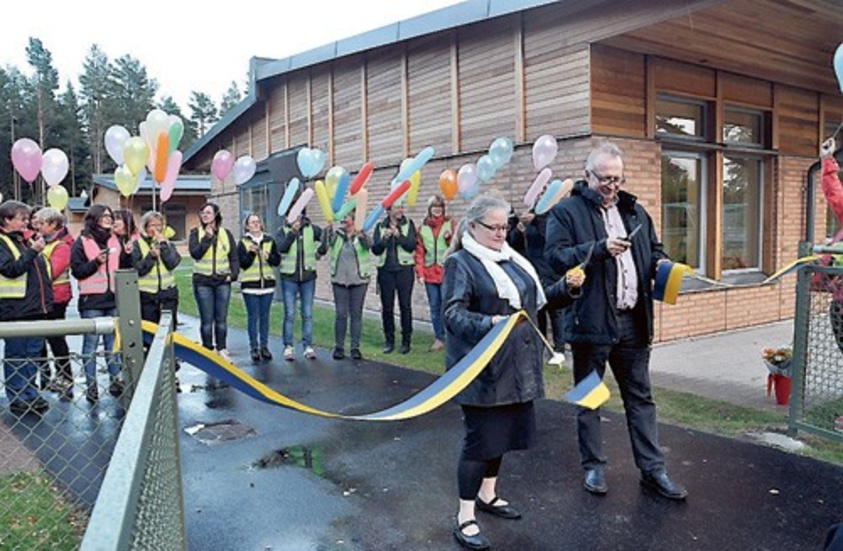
(224, 355)
(289, 354)
(310, 353)
(558, 359)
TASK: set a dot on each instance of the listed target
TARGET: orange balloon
(448, 184)
(162, 151)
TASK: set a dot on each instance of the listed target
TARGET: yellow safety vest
(64, 277)
(435, 247)
(12, 287)
(215, 259)
(289, 259)
(157, 279)
(404, 258)
(258, 271)
(363, 266)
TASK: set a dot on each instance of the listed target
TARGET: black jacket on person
(168, 254)
(574, 226)
(389, 245)
(38, 300)
(81, 268)
(531, 244)
(198, 244)
(470, 301)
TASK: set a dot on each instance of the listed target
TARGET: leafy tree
(203, 112)
(230, 99)
(73, 140)
(134, 91)
(99, 108)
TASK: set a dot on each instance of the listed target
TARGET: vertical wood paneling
(257, 139)
(798, 120)
(519, 82)
(618, 92)
(364, 108)
(319, 110)
(487, 93)
(384, 107)
(298, 108)
(405, 104)
(278, 118)
(429, 100)
(456, 115)
(348, 140)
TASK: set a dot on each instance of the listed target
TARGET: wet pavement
(261, 477)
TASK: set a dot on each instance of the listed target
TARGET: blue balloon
(373, 218)
(289, 194)
(838, 65)
(549, 197)
(501, 151)
(418, 161)
(485, 168)
(339, 193)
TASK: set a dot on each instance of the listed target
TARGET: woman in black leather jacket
(485, 281)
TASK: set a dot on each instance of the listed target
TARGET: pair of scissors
(632, 233)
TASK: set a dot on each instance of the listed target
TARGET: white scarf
(491, 259)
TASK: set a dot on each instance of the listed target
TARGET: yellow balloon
(332, 178)
(57, 197)
(324, 202)
(135, 154)
(415, 182)
(125, 181)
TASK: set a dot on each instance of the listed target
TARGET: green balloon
(347, 207)
(175, 132)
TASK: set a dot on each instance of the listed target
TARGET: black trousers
(59, 348)
(398, 282)
(630, 363)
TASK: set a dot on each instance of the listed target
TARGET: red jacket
(832, 189)
(432, 273)
(59, 262)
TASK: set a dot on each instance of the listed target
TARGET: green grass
(676, 408)
(34, 515)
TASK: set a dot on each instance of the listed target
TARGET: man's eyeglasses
(493, 229)
(605, 180)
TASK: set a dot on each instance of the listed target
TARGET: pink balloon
(544, 151)
(169, 183)
(222, 164)
(535, 189)
(27, 158)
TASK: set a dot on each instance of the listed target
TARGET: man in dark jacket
(613, 320)
(26, 294)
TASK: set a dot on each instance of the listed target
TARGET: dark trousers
(556, 326)
(348, 302)
(398, 282)
(630, 363)
(59, 348)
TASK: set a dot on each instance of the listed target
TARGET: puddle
(223, 431)
(296, 456)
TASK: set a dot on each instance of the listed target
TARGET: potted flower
(778, 361)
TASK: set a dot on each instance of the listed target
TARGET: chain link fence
(816, 404)
(52, 462)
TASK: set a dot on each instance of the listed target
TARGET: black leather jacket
(574, 225)
(470, 301)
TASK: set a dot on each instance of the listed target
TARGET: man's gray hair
(603, 149)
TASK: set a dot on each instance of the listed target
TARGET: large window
(682, 199)
(691, 144)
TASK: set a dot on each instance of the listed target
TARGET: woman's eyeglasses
(493, 229)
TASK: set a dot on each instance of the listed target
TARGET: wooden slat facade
(580, 71)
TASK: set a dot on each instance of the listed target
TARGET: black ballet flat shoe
(503, 511)
(477, 542)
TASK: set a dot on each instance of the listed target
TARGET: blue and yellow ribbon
(437, 393)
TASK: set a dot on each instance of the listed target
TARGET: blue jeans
(89, 346)
(212, 301)
(257, 319)
(434, 300)
(19, 368)
(305, 290)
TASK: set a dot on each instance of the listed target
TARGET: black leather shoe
(478, 541)
(405, 349)
(338, 354)
(388, 348)
(595, 482)
(661, 483)
(503, 511)
(355, 354)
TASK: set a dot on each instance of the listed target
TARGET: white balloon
(55, 166)
(115, 138)
(244, 169)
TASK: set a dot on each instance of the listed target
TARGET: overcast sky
(188, 45)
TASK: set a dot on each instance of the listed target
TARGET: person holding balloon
(258, 255)
(26, 294)
(216, 264)
(94, 258)
(434, 238)
(394, 246)
(296, 241)
(53, 226)
(350, 274)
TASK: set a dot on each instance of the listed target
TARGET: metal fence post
(129, 323)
